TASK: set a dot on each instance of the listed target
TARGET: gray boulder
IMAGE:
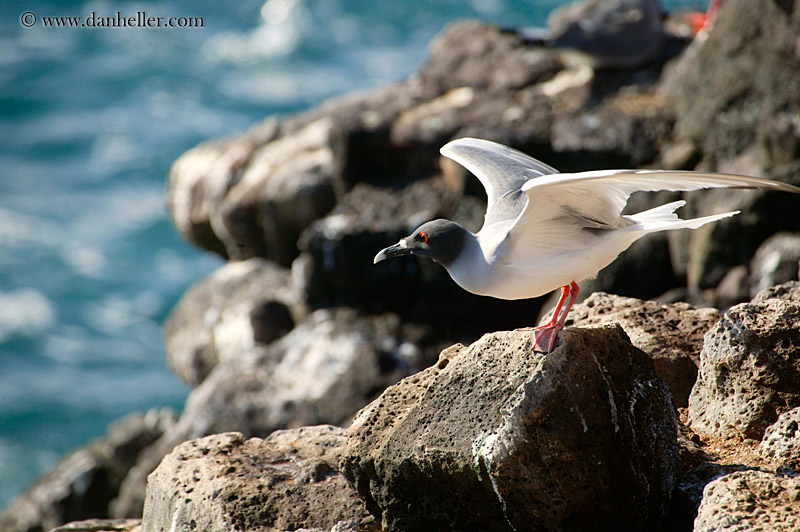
(496, 436)
(241, 307)
(782, 440)
(323, 371)
(749, 370)
(672, 334)
(82, 485)
(223, 482)
(749, 501)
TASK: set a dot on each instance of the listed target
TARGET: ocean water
(90, 120)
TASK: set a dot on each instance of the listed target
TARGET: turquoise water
(90, 120)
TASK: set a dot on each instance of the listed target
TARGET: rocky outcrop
(672, 334)
(287, 481)
(237, 310)
(323, 371)
(496, 436)
(750, 500)
(734, 97)
(749, 370)
(82, 485)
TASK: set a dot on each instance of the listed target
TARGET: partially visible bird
(611, 33)
(544, 229)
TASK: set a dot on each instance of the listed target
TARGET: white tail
(664, 218)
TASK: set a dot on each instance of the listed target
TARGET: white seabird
(543, 229)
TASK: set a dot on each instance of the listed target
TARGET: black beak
(401, 248)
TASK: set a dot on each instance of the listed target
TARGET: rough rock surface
(239, 308)
(672, 334)
(749, 370)
(496, 436)
(82, 485)
(287, 481)
(782, 439)
(323, 371)
(750, 500)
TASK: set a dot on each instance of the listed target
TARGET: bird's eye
(422, 236)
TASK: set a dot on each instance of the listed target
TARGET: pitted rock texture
(225, 483)
(749, 370)
(749, 501)
(672, 334)
(782, 439)
(496, 435)
(323, 371)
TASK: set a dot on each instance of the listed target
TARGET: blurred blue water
(90, 120)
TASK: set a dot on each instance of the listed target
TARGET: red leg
(557, 309)
(544, 337)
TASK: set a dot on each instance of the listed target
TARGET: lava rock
(789, 292)
(782, 439)
(82, 485)
(241, 307)
(200, 179)
(287, 481)
(253, 195)
(749, 370)
(497, 436)
(750, 500)
(672, 334)
(323, 371)
(727, 90)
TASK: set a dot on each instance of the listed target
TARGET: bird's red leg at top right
(544, 336)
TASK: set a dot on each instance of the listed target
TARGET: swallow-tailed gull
(544, 229)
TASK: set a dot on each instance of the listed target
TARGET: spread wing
(532, 202)
(562, 206)
(502, 171)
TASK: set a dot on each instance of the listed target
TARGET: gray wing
(502, 171)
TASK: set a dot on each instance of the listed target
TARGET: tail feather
(664, 218)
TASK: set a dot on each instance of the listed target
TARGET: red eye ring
(423, 236)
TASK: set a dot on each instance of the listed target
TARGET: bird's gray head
(440, 240)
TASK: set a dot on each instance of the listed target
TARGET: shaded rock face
(82, 485)
(323, 371)
(750, 500)
(733, 96)
(240, 308)
(749, 370)
(671, 334)
(498, 437)
(287, 481)
(722, 104)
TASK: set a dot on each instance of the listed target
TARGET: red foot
(544, 337)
